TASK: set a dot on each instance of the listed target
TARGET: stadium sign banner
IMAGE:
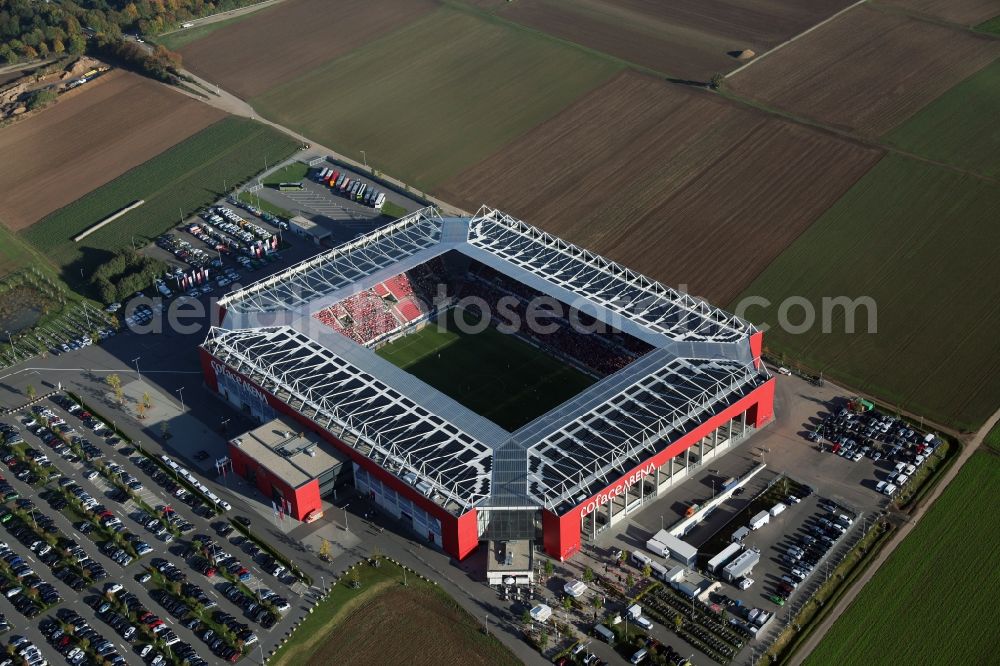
(245, 386)
(614, 491)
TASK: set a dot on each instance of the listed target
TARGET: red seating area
(405, 298)
(409, 311)
(376, 312)
(399, 286)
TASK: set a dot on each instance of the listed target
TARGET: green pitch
(496, 375)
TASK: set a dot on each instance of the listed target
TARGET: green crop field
(993, 438)
(960, 127)
(184, 36)
(15, 253)
(993, 25)
(920, 241)
(931, 601)
(173, 184)
(496, 375)
(436, 96)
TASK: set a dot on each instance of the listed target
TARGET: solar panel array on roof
(664, 310)
(309, 280)
(591, 451)
(380, 422)
(702, 365)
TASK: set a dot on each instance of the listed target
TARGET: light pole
(364, 156)
(180, 392)
(136, 361)
(346, 528)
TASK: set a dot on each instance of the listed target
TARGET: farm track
(285, 41)
(867, 71)
(689, 40)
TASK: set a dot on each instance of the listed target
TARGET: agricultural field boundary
(795, 38)
(232, 146)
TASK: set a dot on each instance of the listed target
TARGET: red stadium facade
(459, 534)
(678, 382)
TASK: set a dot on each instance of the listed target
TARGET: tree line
(31, 29)
(124, 274)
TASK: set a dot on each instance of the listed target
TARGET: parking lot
(343, 216)
(828, 501)
(114, 547)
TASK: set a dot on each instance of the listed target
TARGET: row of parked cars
(24, 651)
(807, 550)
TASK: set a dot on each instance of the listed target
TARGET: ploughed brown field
(677, 183)
(689, 39)
(867, 70)
(277, 44)
(91, 136)
(965, 12)
(407, 625)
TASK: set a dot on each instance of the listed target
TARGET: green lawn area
(385, 622)
(993, 438)
(932, 600)
(993, 25)
(173, 184)
(920, 241)
(15, 253)
(496, 375)
(436, 96)
(263, 204)
(291, 173)
(959, 127)
(184, 36)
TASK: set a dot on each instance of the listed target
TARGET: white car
(901, 479)
(745, 583)
(890, 490)
(784, 371)
(910, 469)
(880, 486)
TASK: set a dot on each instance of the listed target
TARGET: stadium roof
(701, 363)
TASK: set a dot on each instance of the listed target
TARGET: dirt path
(845, 601)
(232, 104)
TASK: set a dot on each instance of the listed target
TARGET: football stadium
(481, 380)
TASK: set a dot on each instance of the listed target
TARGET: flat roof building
(305, 227)
(293, 467)
(724, 556)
